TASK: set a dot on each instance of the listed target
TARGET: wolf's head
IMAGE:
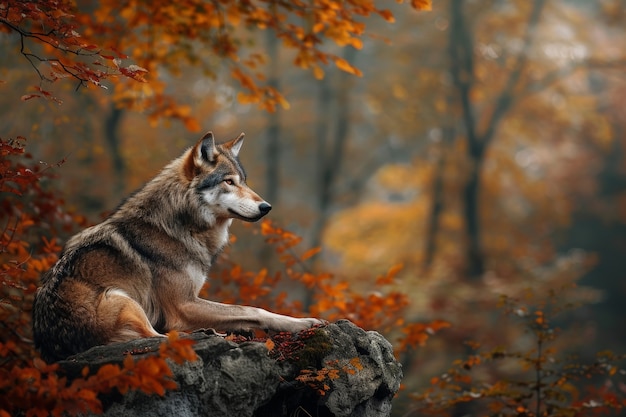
(219, 180)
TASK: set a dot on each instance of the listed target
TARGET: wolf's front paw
(302, 324)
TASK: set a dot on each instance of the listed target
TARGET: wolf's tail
(59, 328)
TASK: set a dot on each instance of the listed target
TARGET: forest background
(459, 168)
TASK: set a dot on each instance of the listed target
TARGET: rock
(335, 370)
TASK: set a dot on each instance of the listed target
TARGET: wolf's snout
(264, 208)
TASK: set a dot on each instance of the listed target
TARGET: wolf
(139, 272)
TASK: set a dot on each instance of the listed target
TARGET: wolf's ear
(205, 149)
(235, 144)
(203, 152)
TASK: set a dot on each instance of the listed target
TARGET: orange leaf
(387, 15)
(344, 65)
(356, 43)
(192, 124)
(310, 253)
(108, 371)
(422, 4)
(356, 362)
(391, 274)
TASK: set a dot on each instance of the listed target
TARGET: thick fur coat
(139, 273)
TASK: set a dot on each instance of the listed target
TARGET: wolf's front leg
(226, 317)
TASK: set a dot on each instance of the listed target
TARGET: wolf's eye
(229, 181)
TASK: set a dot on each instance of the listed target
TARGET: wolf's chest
(197, 277)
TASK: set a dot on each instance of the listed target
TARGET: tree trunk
(437, 206)
(272, 144)
(475, 258)
(112, 137)
(461, 49)
(330, 156)
(272, 140)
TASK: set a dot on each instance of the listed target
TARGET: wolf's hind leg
(122, 318)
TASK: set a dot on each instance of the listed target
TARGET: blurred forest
(480, 145)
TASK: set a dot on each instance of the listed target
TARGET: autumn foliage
(29, 384)
(538, 380)
(31, 216)
(162, 37)
(40, 390)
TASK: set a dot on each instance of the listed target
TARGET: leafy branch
(554, 385)
(75, 58)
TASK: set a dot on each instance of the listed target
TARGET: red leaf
(26, 97)
(135, 72)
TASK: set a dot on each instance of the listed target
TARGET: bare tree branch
(557, 75)
(461, 52)
(50, 38)
(505, 99)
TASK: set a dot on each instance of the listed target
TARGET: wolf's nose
(264, 208)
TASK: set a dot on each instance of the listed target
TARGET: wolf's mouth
(244, 218)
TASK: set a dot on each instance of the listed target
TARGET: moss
(305, 349)
(316, 347)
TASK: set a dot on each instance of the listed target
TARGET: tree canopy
(118, 41)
